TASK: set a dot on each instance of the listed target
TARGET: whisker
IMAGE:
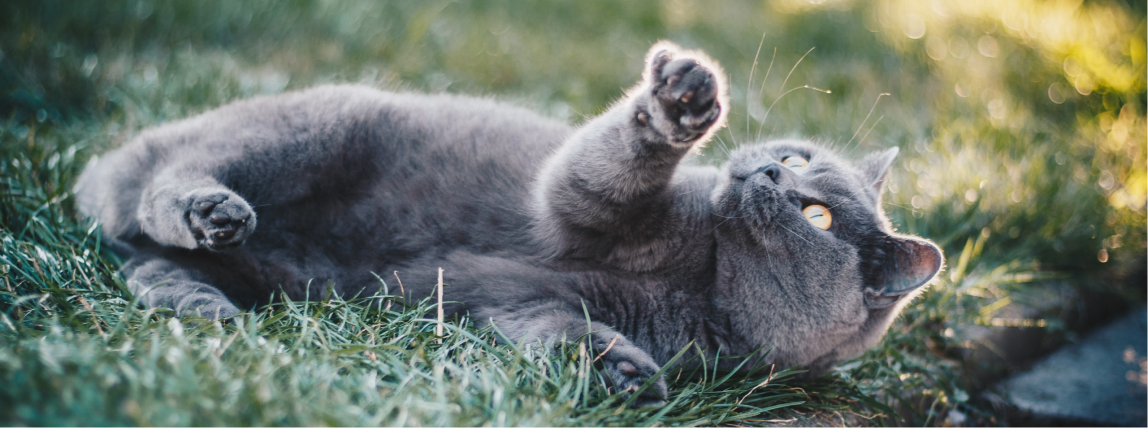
(733, 217)
(722, 145)
(749, 83)
(783, 82)
(761, 91)
(909, 207)
(768, 257)
(761, 124)
(867, 132)
(783, 94)
(726, 219)
(866, 118)
(794, 233)
(732, 138)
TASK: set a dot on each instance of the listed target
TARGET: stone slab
(1100, 380)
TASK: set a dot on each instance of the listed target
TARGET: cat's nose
(774, 171)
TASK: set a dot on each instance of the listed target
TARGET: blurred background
(1021, 124)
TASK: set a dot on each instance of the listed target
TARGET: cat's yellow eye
(795, 162)
(818, 216)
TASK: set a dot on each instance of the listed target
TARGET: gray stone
(1100, 380)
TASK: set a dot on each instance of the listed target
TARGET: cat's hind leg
(627, 366)
(162, 283)
(194, 213)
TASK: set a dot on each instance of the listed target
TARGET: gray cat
(785, 246)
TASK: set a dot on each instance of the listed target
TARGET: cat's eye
(818, 216)
(795, 162)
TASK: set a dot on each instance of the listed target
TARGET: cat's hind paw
(215, 311)
(628, 370)
(687, 94)
(219, 219)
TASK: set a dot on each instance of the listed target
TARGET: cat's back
(316, 121)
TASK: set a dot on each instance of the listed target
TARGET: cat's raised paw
(686, 96)
(219, 219)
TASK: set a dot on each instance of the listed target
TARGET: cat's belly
(309, 244)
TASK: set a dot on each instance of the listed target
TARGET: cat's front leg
(607, 191)
(194, 213)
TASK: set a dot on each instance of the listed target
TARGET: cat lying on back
(785, 246)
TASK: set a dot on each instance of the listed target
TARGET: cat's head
(808, 263)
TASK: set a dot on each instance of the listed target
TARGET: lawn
(1023, 147)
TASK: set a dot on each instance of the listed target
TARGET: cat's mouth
(767, 198)
(747, 199)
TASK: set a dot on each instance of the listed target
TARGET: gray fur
(530, 218)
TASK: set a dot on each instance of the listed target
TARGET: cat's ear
(909, 264)
(876, 168)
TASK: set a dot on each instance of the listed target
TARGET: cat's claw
(685, 94)
(219, 219)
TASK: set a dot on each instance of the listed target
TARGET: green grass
(1023, 155)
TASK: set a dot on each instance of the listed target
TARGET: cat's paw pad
(219, 219)
(627, 375)
(686, 96)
